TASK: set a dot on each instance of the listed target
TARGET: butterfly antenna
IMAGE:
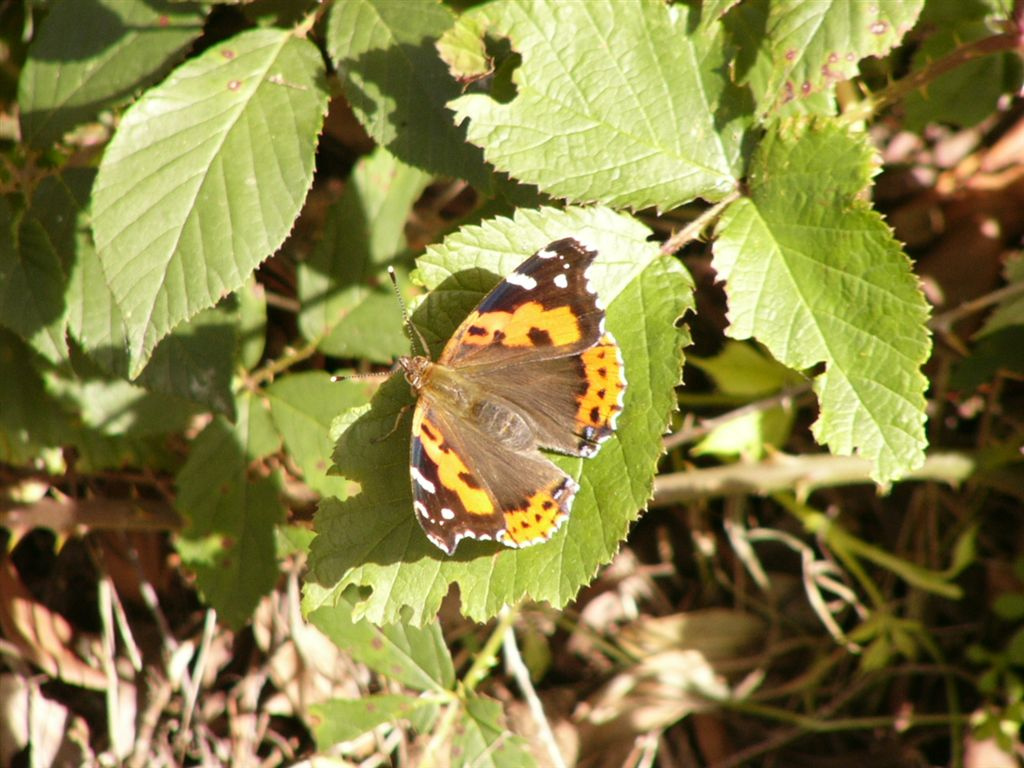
(410, 327)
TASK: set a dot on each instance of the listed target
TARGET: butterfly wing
(545, 308)
(467, 484)
(531, 366)
(571, 403)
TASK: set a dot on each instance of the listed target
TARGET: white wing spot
(421, 481)
(544, 253)
(447, 514)
(561, 281)
(441, 544)
(523, 281)
(421, 509)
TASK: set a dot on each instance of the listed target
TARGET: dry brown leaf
(29, 719)
(684, 659)
(717, 633)
(42, 636)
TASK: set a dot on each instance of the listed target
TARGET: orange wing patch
(451, 470)
(600, 404)
(528, 325)
(542, 514)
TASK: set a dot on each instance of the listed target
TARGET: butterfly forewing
(545, 308)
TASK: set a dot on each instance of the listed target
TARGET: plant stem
(488, 655)
(781, 472)
(900, 89)
(694, 228)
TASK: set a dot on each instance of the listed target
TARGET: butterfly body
(531, 367)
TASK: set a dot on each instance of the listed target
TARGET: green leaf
(373, 539)
(394, 80)
(995, 355)
(713, 10)
(743, 370)
(32, 282)
(815, 275)
(748, 436)
(343, 720)
(970, 92)
(93, 55)
(194, 361)
(94, 319)
(292, 540)
(302, 406)
(31, 421)
(483, 741)
(415, 657)
(804, 48)
(1009, 313)
(252, 323)
(347, 301)
(615, 101)
(204, 178)
(119, 409)
(229, 538)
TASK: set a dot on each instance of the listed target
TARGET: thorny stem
(291, 357)
(944, 322)
(781, 472)
(780, 399)
(900, 89)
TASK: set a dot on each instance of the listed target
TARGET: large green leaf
(92, 54)
(397, 85)
(302, 406)
(616, 101)
(340, 720)
(373, 539)
(194, 361)
(347, 301)
(793, 49)
(482, 740)
(229, 537)
(417, 657)
(814, 273)
(32, 282)
(204, 178)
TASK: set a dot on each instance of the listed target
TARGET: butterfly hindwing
(466, 485)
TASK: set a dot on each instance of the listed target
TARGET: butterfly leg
(398, 417)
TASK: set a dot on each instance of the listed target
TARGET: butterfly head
(414, 368)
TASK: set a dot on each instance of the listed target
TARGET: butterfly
(532, 366)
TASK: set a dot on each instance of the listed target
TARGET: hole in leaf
(505, 62)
